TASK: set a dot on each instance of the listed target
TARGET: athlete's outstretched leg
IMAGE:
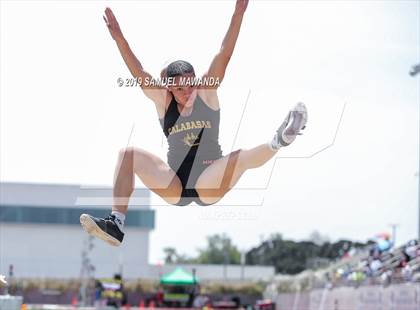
(153, 172)
(217, 179)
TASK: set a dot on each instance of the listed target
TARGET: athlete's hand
(112, 24)
(241, 6)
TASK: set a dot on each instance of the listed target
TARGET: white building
(41, 236)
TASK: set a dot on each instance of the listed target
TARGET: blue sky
(63, 117)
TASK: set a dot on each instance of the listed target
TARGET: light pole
(413, 72)
(394, 234)
(243, 253)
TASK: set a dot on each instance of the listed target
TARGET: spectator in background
(98, 294)
(375, 252)
(407, 273)
(159, 296)
(113, 292)
(384, 245)
(403, 260)
(201, 300)
(386, 277)
(375, 265)
(411, 249)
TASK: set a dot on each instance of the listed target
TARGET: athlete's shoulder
(209, 97)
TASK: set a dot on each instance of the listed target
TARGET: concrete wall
(396, 297)
(54, 251)
(232, 273)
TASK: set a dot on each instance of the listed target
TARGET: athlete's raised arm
(220, 61)
(156, 94)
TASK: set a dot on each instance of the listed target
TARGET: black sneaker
(105, 229)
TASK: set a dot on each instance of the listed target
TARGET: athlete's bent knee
(234, 159)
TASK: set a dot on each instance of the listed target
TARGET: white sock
(119, 219)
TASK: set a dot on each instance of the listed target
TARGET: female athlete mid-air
(189, 115)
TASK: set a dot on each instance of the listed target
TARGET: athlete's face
(184, 94)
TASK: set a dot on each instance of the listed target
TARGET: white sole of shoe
(91, 228)
(301, 108)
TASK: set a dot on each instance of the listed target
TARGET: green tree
(219, 250)
(170, 255)
(291, 257)
(173, 257)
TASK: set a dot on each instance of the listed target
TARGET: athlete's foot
(291, 127)
(105, 229)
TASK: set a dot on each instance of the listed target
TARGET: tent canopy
(178, 277)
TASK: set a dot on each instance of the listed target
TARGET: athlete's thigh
(157, 175)
(218, 178)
